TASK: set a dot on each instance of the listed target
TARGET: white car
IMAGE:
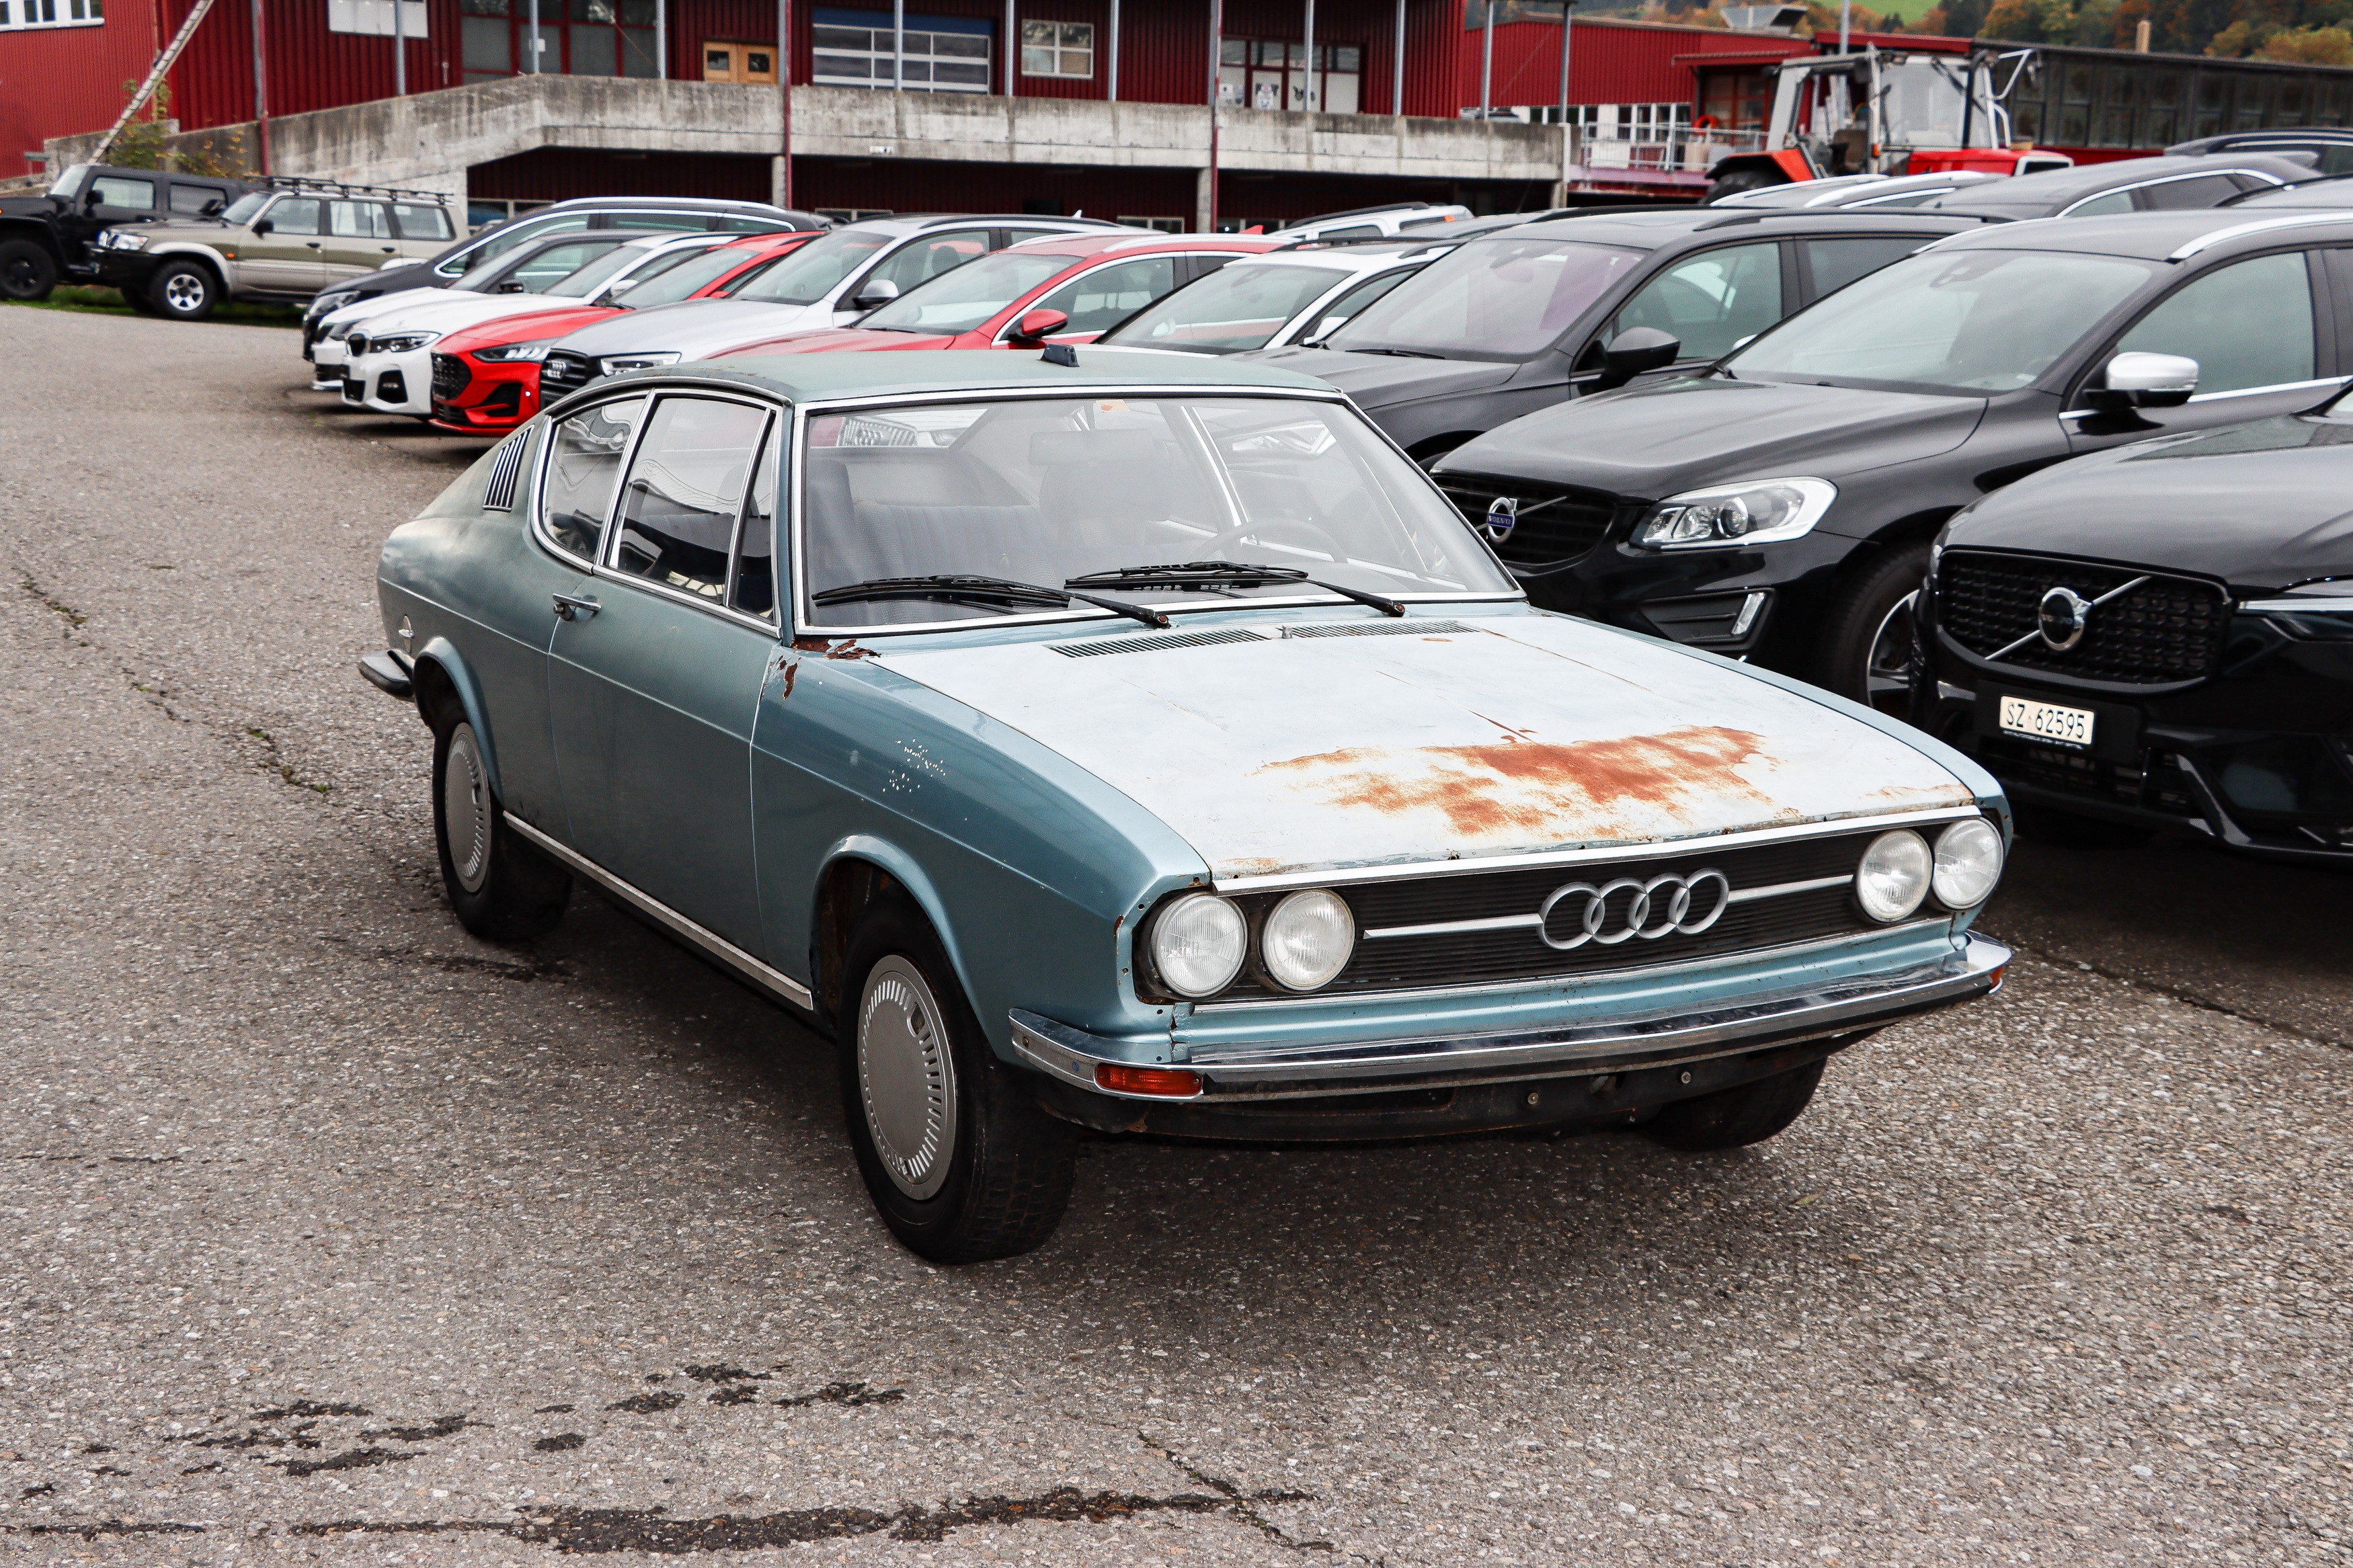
(388, 365)
(1388, 219)
(1273, 300)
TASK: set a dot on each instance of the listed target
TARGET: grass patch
(96, 301)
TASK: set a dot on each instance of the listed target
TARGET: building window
(16, 14)
(739, 62)
(375, 16)
(583, 38)
(1270, 73)
(942, 54)
(1057, 48)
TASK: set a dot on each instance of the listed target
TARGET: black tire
(1868, 645)
(957, 1156)
(26, 271)
(184, 291)
(2047, 824)
(1740, 180)
(1736, 1118)
(501, 888)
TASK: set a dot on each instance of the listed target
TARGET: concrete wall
(429, 140)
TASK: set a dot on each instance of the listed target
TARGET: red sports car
(486, 378)
(1070, 288)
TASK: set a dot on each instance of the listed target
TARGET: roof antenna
(1063, 355)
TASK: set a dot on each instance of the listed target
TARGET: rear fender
(446, 682)
(39, 233)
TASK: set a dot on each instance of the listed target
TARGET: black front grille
(1555, 526)
(450, 376)
(2164, 631)
(563, 372)
(1479, 957)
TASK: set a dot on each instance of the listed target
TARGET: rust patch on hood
(1535, 788)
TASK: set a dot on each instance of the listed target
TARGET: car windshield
(69, 184)
(1494, 299)
(1233, 308)
(682, 276)
(809, 274)
(1970, 322)
(960, 300)
(242, 209)
(591, 280)
(1043, 491)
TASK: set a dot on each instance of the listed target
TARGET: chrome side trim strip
(1654, 849)
(1247, 1074)
(774, 981)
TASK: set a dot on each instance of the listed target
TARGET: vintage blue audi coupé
(1145, 745)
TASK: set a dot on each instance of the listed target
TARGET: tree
(2310, 46)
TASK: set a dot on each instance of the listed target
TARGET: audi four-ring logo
(1628, 908)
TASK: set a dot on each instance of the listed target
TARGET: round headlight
(1198, 944)
(1308, 938)
(1894, 876)
(1968, 863)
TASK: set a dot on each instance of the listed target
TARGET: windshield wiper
(968, 589)
(1219, 573)
(1401, 354)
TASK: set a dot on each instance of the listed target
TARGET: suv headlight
(513, 352)
(1199, 942)
(124, 239)
(325, 303)
(617, 364)
(1754, 512)
(401, 343)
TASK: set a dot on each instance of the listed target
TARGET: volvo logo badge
(1502, 516)
(2062, 618)
(1623, 909)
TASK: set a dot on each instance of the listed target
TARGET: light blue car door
(653, 685)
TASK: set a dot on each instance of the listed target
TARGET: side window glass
(1839, 262)
(2206, 190)
(191, 199)
(420, 220)
(2248, 324)
(2101, 206)
(1016, 236)
(684, 223)
(358, 220)
(920, 260)
(756, 576)
(1710, 301)
(583, 466)
(677, 523)
(296, 214)
(552, 266)
(132, 196)
(1109, 295)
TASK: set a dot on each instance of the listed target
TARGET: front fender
(911, 875)
(190, 249)
(441, 655)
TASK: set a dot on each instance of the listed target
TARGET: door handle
(569, 607)
(387, 249)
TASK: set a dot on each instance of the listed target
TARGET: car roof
(1091, 246)
(915, 222)
(1656, 230)
(2059, 187)
(530, 247)
(1353, 257)
(802, 378)
(2155, 236)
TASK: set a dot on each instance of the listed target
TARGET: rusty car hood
(1505, 734)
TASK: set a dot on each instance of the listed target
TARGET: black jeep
(46, 239)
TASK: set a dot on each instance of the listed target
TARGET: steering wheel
(1267, 527)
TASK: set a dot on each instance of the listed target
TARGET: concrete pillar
(1202, 219)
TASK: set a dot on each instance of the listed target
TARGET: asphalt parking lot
(340, 1236)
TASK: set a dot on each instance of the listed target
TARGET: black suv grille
(2163, 631)
(1518, 954)
(1556, 525)
(564, 372)
(451, 376)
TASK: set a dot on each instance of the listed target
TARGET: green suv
(281, 243)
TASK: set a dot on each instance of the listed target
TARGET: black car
(2329, 150)
(1779, 506)
(1517, 321)
(46, 239)
(643, 213)
(2129, 184)
(2160, 635)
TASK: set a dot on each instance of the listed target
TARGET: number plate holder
(2109, 730)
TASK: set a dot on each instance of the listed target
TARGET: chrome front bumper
(1234, 1075)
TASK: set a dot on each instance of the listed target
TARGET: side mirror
(512, 286)
(2151, 381)
(875, 294)
(262, 225)
(1038, 325)
(1636, 351)
(212, 208)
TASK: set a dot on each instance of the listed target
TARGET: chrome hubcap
(906, 1080)
(1887, 675)
(184, 291)
(465, 811)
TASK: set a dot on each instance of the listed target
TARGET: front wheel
(27, 272)
(961, 1162)
(1736, 1116)
(1870, 644)
(184, 291)
(502, 888)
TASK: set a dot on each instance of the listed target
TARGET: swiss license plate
(2046, 721)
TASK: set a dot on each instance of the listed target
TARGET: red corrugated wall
(59, 81)
(1609, 61)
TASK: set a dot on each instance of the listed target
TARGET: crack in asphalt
(1239, 1503)
(2186, 997)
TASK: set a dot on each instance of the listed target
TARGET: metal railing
(1677, 148)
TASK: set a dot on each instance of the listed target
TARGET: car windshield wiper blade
(1215, 574)
(967, 588)
(1401, 354)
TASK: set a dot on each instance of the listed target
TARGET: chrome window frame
(2307, 252)
(2137, 187)
(803, 615)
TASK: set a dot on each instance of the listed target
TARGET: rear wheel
(958, 1157)
(1869, 646)
(502, 888)
(26, 271)
(1736, 1118)
(184, 291)
(1739, 180)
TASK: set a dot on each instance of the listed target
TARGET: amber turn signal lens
(1174, 1082)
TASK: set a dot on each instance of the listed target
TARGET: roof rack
(303, 183)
